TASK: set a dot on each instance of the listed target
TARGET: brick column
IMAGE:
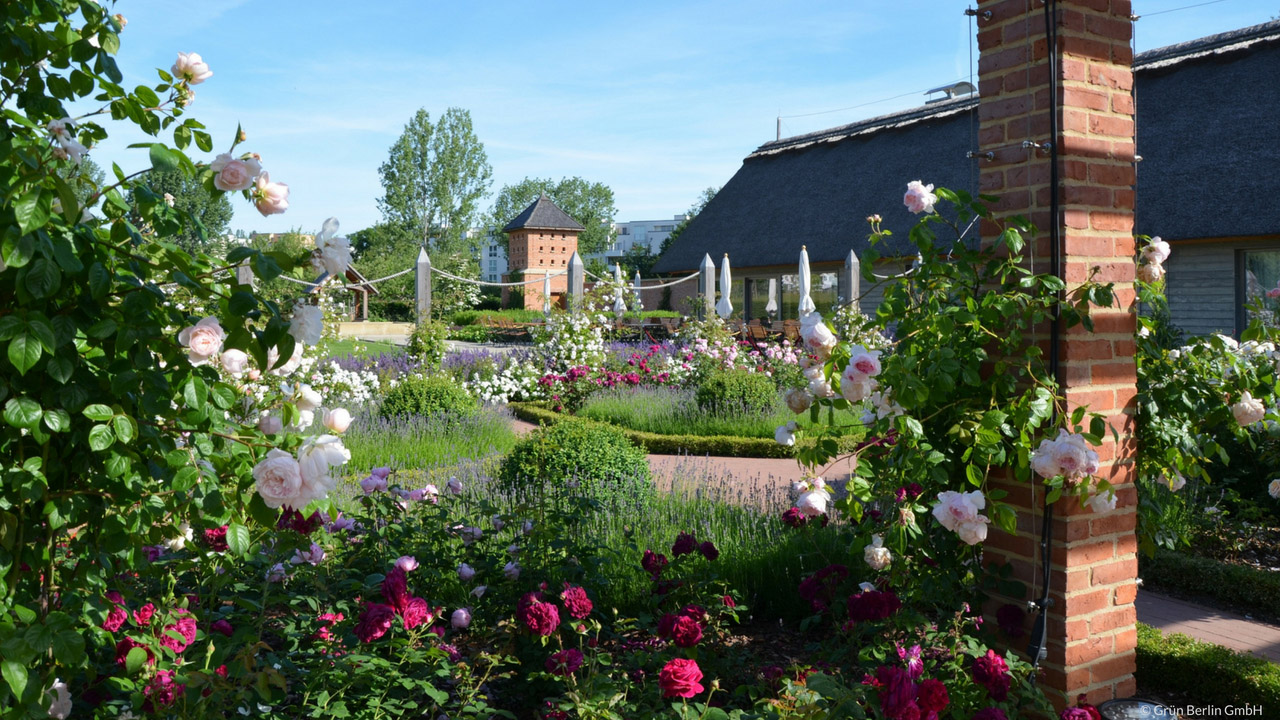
(1091, 633)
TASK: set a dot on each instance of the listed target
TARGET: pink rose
(234, 361)
(864, 361)
(337, 420)
(270, 198)
(407, 563)
(461, 619)
(202, 340)
(191, 68)
(1150, 272)
(374, 622)
(279, 480)
(1156, 251)
(919, 197)
(1249, 410)
(234, 174)
(955, 509)
(680, 678)
(179, 636)
(417, 612)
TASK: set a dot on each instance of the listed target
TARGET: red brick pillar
(1091, 633)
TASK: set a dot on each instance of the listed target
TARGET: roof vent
(950, 91)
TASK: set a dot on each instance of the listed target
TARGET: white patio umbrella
(806, 302)
(636, 287)
(546, 295)
(724, 308)
(619, 299)
(772, 308)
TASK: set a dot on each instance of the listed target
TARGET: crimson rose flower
(990, 713)
(416, 612)
(216, 539)
(374, 622)
(565, 662)
(542, 618)
(395, 589)
(686, 632)
(708, 550)
(576, 602)
(932, 696)
(653, 563)
(991, 672)
(680, 678)
(185, 627)
(684, 544)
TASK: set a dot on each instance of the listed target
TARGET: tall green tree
(86, 179)
(590, 203)
(205, 215)
(434, 178)
(703, 198)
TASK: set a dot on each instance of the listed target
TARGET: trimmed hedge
(430, 395)
(598, 456)
(737, 391)
(1206, 674)
(471, 317)
(1238, 587)
(714, 445)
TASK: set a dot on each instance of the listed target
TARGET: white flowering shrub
(570, 339)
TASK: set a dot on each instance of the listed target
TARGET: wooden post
(423, 293)
(577, 273)
(707, 287)
(850, 285)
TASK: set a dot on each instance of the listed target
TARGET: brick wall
(537, 252)
(1091, 628)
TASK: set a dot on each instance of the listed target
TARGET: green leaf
(99, 413)
(164, 159)
(110, 43)
(16, 675)
(59, 368)
(238, 538)
(123, 427)
(195, 393)
(24, 352)
(32, 211)
(134, 660)
(17, 252)
(224, 396)
(99, 280)
(185, 479)
(974, 475)
(57, 420)
(146, 95)
(44, 278)
(68, 647)
(101, 438)
(22, 412)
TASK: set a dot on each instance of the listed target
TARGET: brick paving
(1215, 626)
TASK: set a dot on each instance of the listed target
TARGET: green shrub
(1206, 674)
(597, 456)
(737, 391)
(472, 317)
(1240, 587)
(471, 333)
(427, 342)
(427, 395)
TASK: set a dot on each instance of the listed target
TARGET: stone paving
(1215, 626)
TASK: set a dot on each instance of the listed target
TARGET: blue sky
(657, 99)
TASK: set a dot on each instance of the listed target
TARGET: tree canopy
(205, 215)
(434, 178)
(590, 203)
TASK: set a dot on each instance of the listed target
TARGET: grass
(667, 411)
(362, 348)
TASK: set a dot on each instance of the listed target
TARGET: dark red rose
(565, 662)
(576, 602)
(291, 519)
(542, 618)
(162, 691)
(728, 602)
(794, 518)
(395, 589)
(990, 713)
(223, 627)
(897, 691)
(709, 551)
(991, 672)
(819, 588)
(653, 563)
(684, 544)
(142, 615)
(873, 605)
(666, 624)
(680, 677)
(374, 622)
(216, 539)
(932, 696)
(416, 612)
(686, 632)
(116, 618)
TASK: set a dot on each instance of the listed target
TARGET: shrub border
(1205, 674)
(655, 444)
(1237, 587)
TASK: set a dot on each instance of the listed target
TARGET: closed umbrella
(724, 308)
(546, 295)
(636, 285)
(619, 299)
(806, 302)
(772, 308)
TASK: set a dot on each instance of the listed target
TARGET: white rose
(856, 387)
(307, 398)
(1150, 272)
(279, 480)
(202, 340)
(1273, 488)
(876, 555)
(1175, 483)
(785, 434)
(919, 197)
(814, 502)
(1156, 251)
(235, 361)
(972, 533)
(60, 707)
(466, 572)
(864, 361)
(817, 337)
(511, 571)
(184, 536)
(332, 255)
(234, 174)
(1102, 501)
(955, 509)
(307, 324)
(192, 68)
(295, 360)
(316, 456)
(1248, 411)
(337, 420)
(799, 400)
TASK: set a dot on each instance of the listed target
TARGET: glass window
(1261, 288)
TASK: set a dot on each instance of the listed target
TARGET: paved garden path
(1215, 626)
(764, 480)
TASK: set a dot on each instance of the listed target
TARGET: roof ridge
(1231, 40)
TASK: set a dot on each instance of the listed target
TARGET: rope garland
(495, 284)
(673, 282)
